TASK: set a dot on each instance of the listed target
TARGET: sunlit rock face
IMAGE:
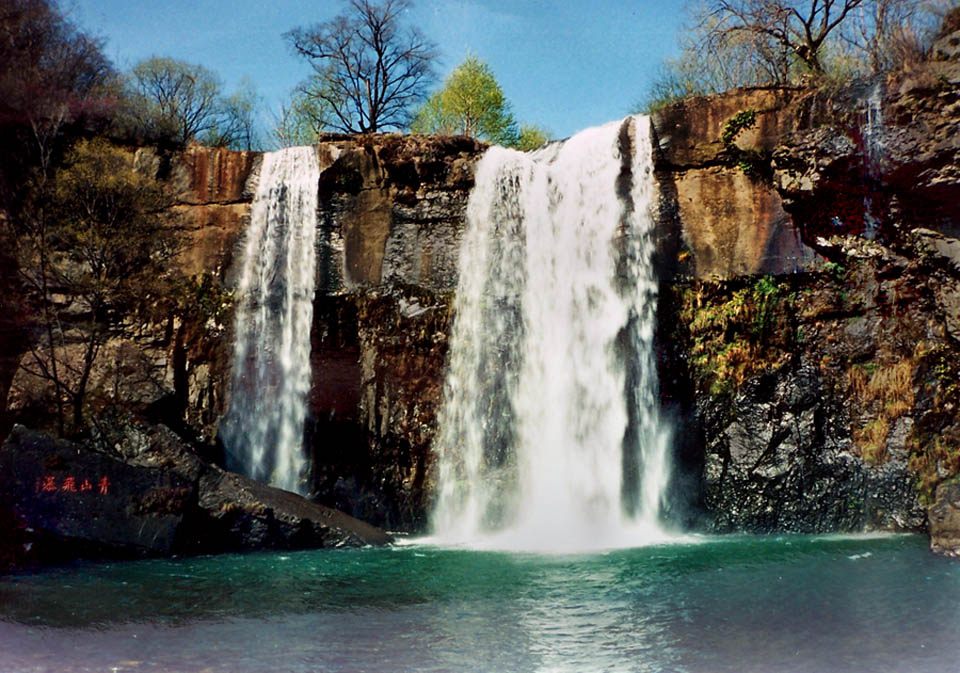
(729, 222)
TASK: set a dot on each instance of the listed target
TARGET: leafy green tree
(530, 137)
(103, 254)
(471, 103)
(369, 68)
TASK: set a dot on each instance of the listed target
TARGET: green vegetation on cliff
(737, 332)
(864, 336)
(93, 252)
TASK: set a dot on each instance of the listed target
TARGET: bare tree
(372, 70)
(730, 43)
(798, 27)
(301, 119)
(45, 61)
(238, 128)
(890, 33)
(53, 80)
(174, 98)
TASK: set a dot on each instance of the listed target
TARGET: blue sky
(563, 65)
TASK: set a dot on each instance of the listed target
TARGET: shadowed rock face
(153, 497)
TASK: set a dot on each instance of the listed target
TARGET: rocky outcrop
(731, 220)
(393, 211)
(878, 158)
(945, 520)
(391, 219)
(821, 397)
(138, 491)
(820, 400)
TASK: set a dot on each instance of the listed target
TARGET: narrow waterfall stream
(263, 429)
(550, 435)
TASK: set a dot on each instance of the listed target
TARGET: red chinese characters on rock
(70, 484)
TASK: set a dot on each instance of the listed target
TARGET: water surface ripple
(786, 604)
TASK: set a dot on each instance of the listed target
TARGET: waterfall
(550, 435)
(873, 129)
(263, 429)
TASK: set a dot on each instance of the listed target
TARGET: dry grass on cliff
(884, 393)
(933, 461)
(890, 387)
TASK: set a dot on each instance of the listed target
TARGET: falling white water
(550, 436)
(263, 429)
(874, 127)
(873, 139)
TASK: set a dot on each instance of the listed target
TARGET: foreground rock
(61, 500)
(944, 518)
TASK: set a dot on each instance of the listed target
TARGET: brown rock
(242, 514)
(211, 236)
(947, 48)
(688, 133)
(735, 225)
(393, 210)
(86, 503)
(944, 518)
(204, 175)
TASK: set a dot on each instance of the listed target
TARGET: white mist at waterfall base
(550, 437)
(263, 428)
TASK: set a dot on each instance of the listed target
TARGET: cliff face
(392, 214)
(809, 317)
(823, 396)
(390, 218)
(729, 218)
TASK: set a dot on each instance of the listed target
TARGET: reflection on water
(791, 604)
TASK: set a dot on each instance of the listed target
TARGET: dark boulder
(61, 500)
(80, 502)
